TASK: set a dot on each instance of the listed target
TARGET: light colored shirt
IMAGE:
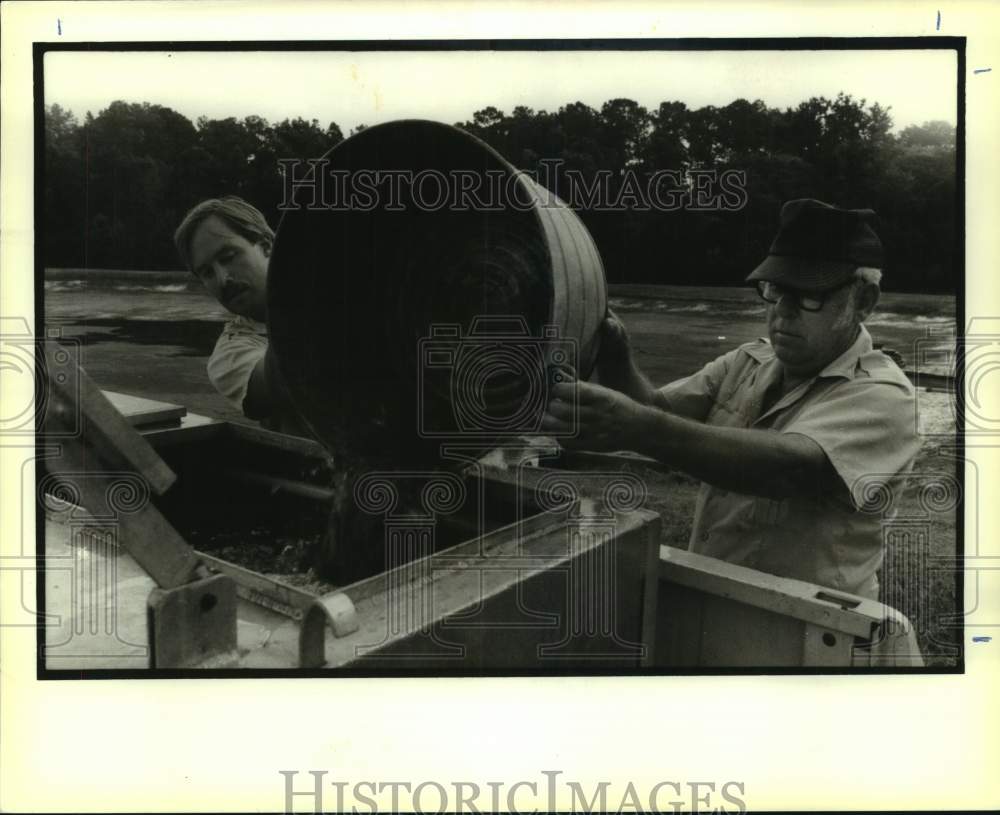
(859, 409)
(240, 347)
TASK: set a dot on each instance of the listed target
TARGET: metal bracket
(335, 609)
(194, 625)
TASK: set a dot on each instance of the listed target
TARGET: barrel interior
(406, 324)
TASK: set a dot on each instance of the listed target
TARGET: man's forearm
(635, 385)
(753, 462)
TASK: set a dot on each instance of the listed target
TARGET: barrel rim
(539, 196)
(524, 181)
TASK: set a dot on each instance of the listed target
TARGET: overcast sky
(352, 88)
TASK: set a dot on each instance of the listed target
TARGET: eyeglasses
(773, 292)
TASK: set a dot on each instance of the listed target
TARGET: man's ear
(867, 299)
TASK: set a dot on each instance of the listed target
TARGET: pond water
(151, 334)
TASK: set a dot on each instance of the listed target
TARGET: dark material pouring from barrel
(419, 299)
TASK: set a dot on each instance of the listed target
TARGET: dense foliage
(117, 185)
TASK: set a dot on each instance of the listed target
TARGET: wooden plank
(193, 428)
(103, 428)
(268, 592)
(735, 635)
(678, 627)
(96, 596)
(142, 531)
(519, 590)
(651, 591)
(139, 411)
(785, 596)
(703, 630)
(281, 441)
(696, 629)
(712, 613)
(99, 463)
(826, 648)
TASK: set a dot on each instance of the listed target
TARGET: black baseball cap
(819, 246)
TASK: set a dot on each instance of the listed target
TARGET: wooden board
(718, 615)
(96, 596)
(139, 411)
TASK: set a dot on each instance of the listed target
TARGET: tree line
(117, 184)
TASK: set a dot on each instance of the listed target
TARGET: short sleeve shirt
(860, 410)
(240, 347)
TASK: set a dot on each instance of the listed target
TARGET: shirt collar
(845, 365)
(248, 324)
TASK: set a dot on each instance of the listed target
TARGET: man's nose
(787, 305)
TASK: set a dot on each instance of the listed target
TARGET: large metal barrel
(421, 292)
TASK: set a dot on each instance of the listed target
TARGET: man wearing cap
(782, 433)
